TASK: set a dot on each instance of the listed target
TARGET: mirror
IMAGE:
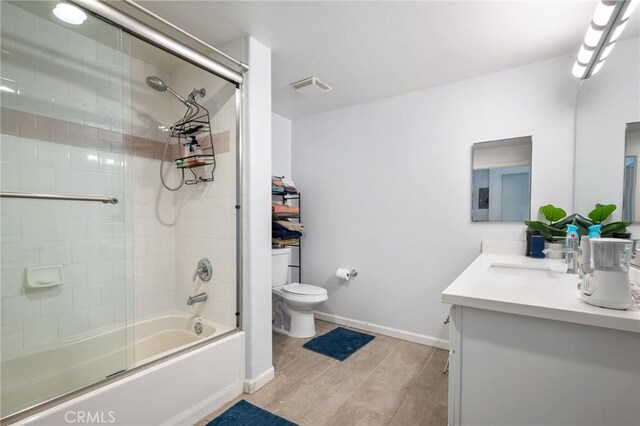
(607, 136)
(630, 185)
(501, 180)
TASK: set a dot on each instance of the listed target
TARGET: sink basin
(523, 271)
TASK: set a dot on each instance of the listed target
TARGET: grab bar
(105, 200)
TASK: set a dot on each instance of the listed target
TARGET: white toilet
(293, 304)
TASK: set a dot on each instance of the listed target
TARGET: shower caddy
(288, 197)
(196, 124)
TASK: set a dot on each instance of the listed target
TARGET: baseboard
(386, 331)
(252, 385)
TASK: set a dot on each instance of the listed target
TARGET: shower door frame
(132, 26)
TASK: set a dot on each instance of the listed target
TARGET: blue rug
(339, 343)
(244, 414)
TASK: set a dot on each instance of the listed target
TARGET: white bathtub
(32, 377)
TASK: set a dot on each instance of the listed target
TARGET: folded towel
(284, 210)
(281, 242)
(291, 226)
(284, 234)
(277, 189)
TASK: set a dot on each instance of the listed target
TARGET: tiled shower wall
(65, 133)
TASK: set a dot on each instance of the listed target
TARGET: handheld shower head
(156, 83)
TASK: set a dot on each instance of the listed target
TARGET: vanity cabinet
(527, 351)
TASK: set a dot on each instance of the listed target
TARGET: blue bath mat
(339, 343)
(244, 414)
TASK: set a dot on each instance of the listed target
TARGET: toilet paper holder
(354, 273)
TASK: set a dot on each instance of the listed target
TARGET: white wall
(388, 187)
(606, 103)
(280, 145)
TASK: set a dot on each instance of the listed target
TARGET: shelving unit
(286, 198)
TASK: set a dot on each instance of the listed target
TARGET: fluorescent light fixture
(578, 70)
(630, 8)
(69, 13)
(616, 33)
(607, 51)
(7, 89)
(597, 68)
(609, 21)
(602, 13)
(592, 38)
(585, 55)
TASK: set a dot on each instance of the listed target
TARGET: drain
(198, 327)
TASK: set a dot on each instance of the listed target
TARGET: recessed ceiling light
(69, 13)
(7, 89)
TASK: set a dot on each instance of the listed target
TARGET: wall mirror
(501, 180)
(630, 185)
(608, 137)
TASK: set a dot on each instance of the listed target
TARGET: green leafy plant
(600, 213)
(550, 231)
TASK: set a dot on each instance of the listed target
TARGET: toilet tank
(279, 266)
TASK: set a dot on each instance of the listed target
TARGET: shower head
(156, 83)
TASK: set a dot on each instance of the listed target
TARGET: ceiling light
(607, 51)
(602, 13)
(608, 22)
(578, 70)
(7, 89)
(630, 8)
(592, 38)
(585, 55)
(69, 13)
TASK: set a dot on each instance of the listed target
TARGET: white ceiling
(372, 50)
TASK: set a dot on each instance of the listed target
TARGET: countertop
(550, 298)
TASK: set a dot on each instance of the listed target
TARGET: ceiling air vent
(310, 86)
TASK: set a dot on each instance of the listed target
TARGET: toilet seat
(303, 289)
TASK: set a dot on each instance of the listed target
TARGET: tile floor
(387, 382)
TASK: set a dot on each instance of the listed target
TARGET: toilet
(293, 304)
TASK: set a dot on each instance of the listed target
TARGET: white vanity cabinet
(530, 352)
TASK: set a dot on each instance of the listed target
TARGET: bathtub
(188, 385)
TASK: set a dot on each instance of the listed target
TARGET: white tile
(75, 274)
(34, 100)
(68, 109)
(111, 249)
(86, 296)
(74, 322)
(113, 291)
(38, 229)
(101, 316)
(111, 162)
(100, 272)
(36, 178)
(19, 308)
(82, 89)
(40, 332)
(81, 46)
(71, 228)
(11, 229)
(86, 251)
(18, 150)
(53, 154)
(146, 305)
(166, 301)
(10, 176)
(70, 181)
(55, 252)
(49, 208)
(20, 255)
(11, 336)
(12, 282)
(98, 183)
(120, 314)
(57, 301)
(84, 159)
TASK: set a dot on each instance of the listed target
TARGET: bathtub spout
(198, 298)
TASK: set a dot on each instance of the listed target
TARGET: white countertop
(550, 298)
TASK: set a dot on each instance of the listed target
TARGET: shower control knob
(203, 271)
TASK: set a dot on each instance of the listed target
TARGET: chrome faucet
(571, 256)
(198, 298)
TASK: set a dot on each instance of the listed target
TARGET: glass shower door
(63, 262)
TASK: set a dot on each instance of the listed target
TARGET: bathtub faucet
(198, 298)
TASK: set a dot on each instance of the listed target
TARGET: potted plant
(601, 213)
(552, 231)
